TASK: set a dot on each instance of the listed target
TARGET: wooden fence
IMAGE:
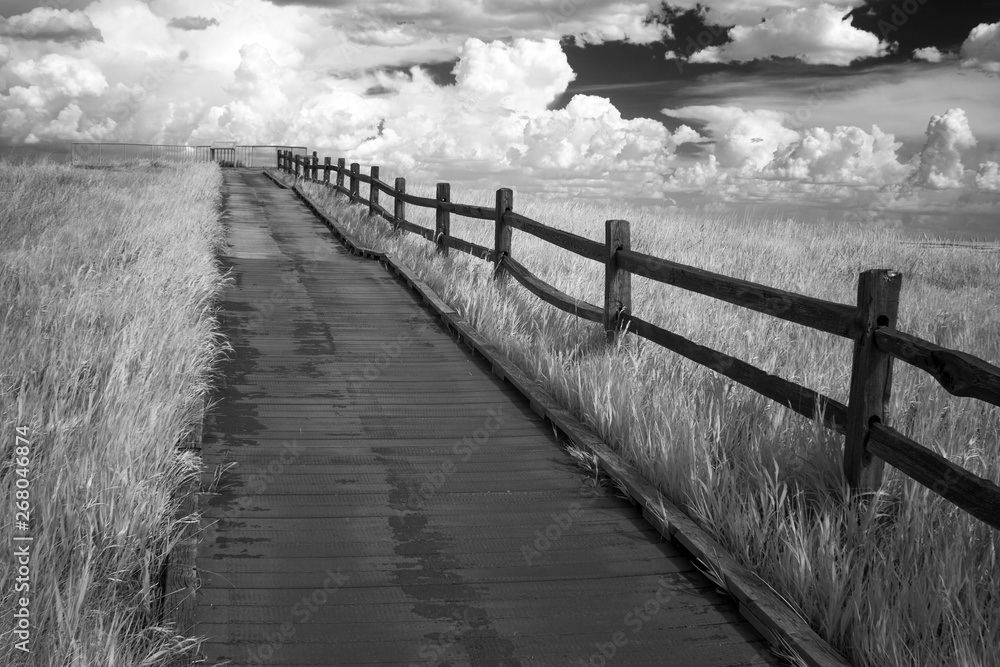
(870, 323)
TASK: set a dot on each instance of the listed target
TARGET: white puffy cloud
(981, 49)
(988, 178)
(45, 23)
(590, 136)
(496, 117)
(58, 75)
(939, 164)
(820, 35)
(845, 155)
(525, 76)
(929, 54)
(753, 157)
(745, 140)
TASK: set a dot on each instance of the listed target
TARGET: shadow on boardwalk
(386, 500)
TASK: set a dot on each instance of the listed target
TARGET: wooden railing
(870, 323)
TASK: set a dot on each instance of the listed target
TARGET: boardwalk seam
(759, 604)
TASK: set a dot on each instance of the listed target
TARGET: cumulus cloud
(192, 22)
(929, 54)
(988, 178)
(745, 140)
(495, 118)
(981, 49)
(753, 156)
(525, 76)
(47, 24)
(59, 75)
(819, 35)
(845, 155)
(939, 164)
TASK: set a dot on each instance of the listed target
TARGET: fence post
(373, 193)
(871, 377)
(326, 171)
(315, 167)
(442, 227)
(399, 210)
(617, 283)
(501, 242)
(340, 173)
(355, 181)
(278, 160)
(298, 163)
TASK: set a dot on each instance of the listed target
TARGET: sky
(873, 111)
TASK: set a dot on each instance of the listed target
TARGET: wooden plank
(489, 539)
(476, 250)
(399, 206)
(550, 294)
(348, 240)
(617, 281)
(567, 240)
(479, 212)
(501, 230)
(977, 496)
(373, 206)
(408, 226)
(785, 627)
(442, 218)
(425, 202)
(960, 374)
(806, 402)
(834, 318)
(871, 377)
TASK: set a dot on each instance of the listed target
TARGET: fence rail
(870, 323)
(238, 156)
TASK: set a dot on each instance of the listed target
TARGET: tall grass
(107, 283)
(905, 579)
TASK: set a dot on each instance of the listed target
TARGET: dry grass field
(906, 579)
(107, 341)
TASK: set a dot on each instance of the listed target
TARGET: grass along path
(107, 340)
(907, 579)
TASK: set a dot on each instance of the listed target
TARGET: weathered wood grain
(442, 218)
(977, 496)
(474, 249)
(567, 240)
(827, 316)
(617, 281)
(326, 504)
(806, 402)
(871, 376)
(468, 211)
(550, 294)
(501, 230)
(960, 373)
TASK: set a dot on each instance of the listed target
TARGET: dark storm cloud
(916, 24)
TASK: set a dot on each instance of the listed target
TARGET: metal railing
(240, 156)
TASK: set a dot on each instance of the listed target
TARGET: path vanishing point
(384, 499)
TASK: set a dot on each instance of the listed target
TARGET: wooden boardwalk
(394, 503)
